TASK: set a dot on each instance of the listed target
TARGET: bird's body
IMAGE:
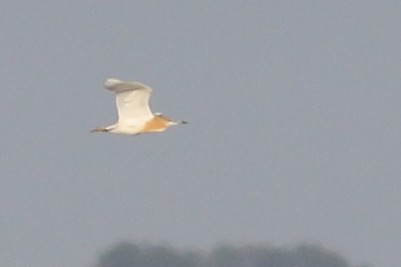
(134, 114)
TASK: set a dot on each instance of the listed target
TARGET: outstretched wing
(132, 100)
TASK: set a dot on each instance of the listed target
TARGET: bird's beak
(177, 122)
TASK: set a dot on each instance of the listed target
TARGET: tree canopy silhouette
(306, 255)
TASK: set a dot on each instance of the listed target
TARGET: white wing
(132, 99)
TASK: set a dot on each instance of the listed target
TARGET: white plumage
(134, 113)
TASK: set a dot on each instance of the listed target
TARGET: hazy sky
(294, 134)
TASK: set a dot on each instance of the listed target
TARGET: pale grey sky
(294, 134)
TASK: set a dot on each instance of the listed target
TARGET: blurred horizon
(145, 254)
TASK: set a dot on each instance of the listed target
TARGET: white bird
(134, 114)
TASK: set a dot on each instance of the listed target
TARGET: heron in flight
(134, 114)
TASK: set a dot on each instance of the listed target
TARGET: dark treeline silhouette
(132, 255)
